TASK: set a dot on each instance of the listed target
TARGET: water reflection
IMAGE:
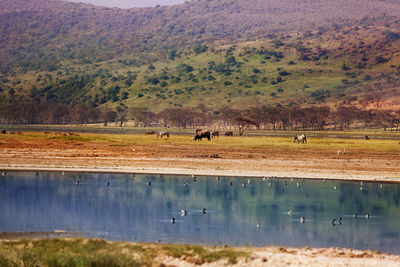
(141, 208)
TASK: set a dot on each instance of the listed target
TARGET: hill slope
(237, 52)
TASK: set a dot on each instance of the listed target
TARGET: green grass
(317, 141)
(96, 252)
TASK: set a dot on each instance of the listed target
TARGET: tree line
(264, 117)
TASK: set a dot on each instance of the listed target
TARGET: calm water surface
(257, 214)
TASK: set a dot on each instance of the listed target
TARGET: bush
(154, 81)
(345, 67)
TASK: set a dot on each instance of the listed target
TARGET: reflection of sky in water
(256, 215)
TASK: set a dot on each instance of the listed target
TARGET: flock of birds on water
(290, 212)
(203, 211)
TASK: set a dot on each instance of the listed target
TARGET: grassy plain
(258, 155)
(281, 140)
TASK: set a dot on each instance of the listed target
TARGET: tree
(122, 114)
(244, 124)
(172, 53)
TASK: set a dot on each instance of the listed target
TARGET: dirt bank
(308, 162)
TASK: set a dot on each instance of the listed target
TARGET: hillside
(236, 53)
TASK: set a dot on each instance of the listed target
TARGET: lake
(256, 213)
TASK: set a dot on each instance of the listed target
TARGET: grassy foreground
(96, 252)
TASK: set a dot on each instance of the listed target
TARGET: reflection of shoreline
(315, 175)
(53, 234)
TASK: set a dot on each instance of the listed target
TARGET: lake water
(128, 209)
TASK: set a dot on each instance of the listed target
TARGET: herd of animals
(200, 134)
(207, 134)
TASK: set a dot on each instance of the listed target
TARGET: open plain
(375, 159)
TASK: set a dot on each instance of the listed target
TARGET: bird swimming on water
(203, 211)
(172, 220)
(302, 219)
(290, 212)
(183, 212)
(149, 183)
(367, 216)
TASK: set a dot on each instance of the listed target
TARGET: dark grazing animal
(215, 134)
(300, 138)
(202, 134)
(151, 132)
(229, 133)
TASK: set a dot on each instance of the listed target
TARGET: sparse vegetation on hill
(201, 52)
